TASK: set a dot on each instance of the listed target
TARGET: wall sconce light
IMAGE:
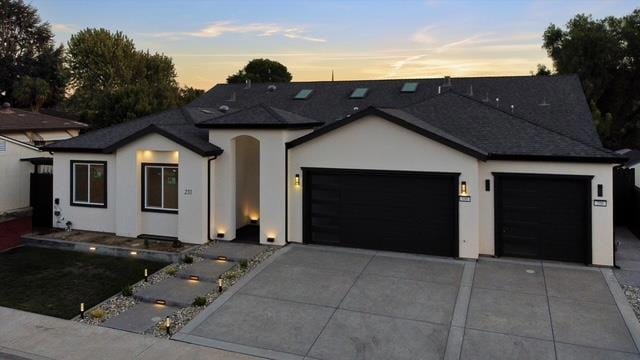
(220, 234)
(220, 284)
(194, 277)
(296, 180)
(81, 310)
(222, 258)
(92, 248)
(463, 189)
(253, 220)
(167, 325)
(161, 302)
(146, 275)
(134, 253)
(600, 190)
(271, 239)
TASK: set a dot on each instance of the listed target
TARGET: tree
(542, 70)
(188, 94)
(27, 49)
(113, 82)
(260, 71)
(31, 92)
(605, 53)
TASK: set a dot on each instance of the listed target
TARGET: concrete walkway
(26, 335)
(627, 257)
(180, 291)
(311, 302)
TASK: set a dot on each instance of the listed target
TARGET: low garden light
(271, 238)
(81, 310)
(296, 180)
(161, 302)
(222, 258)
(167, 325)
(92, 248)
(134, 253)
(194, 277)
(146, 275)
(220, 284)
(220, 234)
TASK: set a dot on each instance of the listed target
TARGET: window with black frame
(89, 183)
(160, 187)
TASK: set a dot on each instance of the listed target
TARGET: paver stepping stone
(140, 317)
(175, 292)
(206, 270)
(232, 251)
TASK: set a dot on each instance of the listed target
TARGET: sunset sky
(209, 40)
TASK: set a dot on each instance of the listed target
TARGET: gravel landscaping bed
(633, 295)
(120, 303)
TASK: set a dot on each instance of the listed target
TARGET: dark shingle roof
(633, 156)
(260, 116)
(12, 120)
(495, 117)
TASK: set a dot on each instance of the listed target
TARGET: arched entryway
(247, 188)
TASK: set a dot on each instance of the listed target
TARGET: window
(89, 183)
(359, 93)
(3, 146)
(160, 187)
(303, 94)
(409, 87)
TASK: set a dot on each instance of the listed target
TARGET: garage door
(397, 211)
(543, 217)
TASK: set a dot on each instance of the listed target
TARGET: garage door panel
(390, 210)
(547, 219)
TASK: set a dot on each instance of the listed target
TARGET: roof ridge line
(529, 122)
(273, 113)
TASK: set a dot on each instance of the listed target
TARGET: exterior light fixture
(296, 180)
(271, 239)
(161, 302)
(600, 190)
(134, 253)
(463, 189)
(194, 277)
(92, 248)
(222, 258)
(167, 325)
(220, 284)
(81, 310)
(146, 275)
(220, 234)
(254, 220)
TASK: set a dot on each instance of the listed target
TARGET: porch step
(206, 270)
(232, 251)
(140, 318)
(175, 292)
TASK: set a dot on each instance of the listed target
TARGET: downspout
(209, 160)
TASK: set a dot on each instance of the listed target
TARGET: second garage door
(387, 210)
(543, 217)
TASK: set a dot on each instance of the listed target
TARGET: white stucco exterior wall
(85, 218)
(376, 144)
(601, 217)
(124, 215)
(14, 175)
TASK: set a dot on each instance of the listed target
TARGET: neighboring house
(506, 166)
(21, 132)
(633, 163)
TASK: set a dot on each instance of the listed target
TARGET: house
(457, 167)
(21, 132)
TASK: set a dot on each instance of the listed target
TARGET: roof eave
(261, 126)
(560, 158)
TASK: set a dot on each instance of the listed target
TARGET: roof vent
(512, 107)
(544, 102)
(470, 90)
(206, 111)
(247, 84)
(486, 97)
(272, 88)
(355, 108)
(447, 81)
(223, 108)
(497, 102)
(6, 108)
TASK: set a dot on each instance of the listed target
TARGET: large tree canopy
(605, 53)
(261, 71)
(112, 82)
(27, 49)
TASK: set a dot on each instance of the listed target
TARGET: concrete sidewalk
(26, 335)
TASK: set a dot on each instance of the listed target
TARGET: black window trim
(143, 194)
(72, 167)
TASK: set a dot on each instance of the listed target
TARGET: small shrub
(127, 291)
(244, 264)
(177, 244)
(187, 259)
(171, 271)
(200, 301)
(98, 314)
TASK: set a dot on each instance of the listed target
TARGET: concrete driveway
(328, 303)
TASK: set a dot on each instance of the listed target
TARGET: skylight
(303, 94)
(409, 87)
(359, 93)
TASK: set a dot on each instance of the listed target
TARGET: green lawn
(55, 282)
